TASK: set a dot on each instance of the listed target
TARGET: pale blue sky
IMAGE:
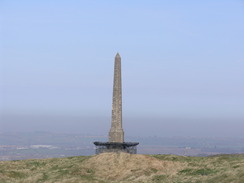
(182, 61)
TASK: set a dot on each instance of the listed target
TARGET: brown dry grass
(123, 166)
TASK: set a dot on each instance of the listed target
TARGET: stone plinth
(127, 147)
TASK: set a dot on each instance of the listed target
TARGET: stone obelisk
(116, 133)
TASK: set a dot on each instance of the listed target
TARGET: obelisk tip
(117, 55)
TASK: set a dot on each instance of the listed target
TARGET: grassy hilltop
(122, 167)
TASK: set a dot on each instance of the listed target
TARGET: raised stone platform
(128, 147)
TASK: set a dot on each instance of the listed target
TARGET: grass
(213, 169)
(201, 171)
(164, 168)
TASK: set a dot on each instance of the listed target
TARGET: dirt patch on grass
(123, 166)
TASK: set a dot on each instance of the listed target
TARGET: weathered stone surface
(116, 133)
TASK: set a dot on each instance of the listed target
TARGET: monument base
(127, 147)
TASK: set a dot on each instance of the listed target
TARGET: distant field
(122, 167)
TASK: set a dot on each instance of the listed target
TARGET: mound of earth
(123, 166)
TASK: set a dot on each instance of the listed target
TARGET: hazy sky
(182, 66)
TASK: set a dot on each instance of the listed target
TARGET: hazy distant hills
(122, 167)
(17, 145)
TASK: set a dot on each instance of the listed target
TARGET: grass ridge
(163, 168)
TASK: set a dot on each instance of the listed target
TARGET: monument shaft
(116, 133)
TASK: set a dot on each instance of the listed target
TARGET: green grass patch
(202, 171)
(176, 158)
(36, 163)
(159, 178)
(16, 175)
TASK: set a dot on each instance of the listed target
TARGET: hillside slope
(122, 167)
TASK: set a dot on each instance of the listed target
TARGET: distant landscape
(39, 145)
